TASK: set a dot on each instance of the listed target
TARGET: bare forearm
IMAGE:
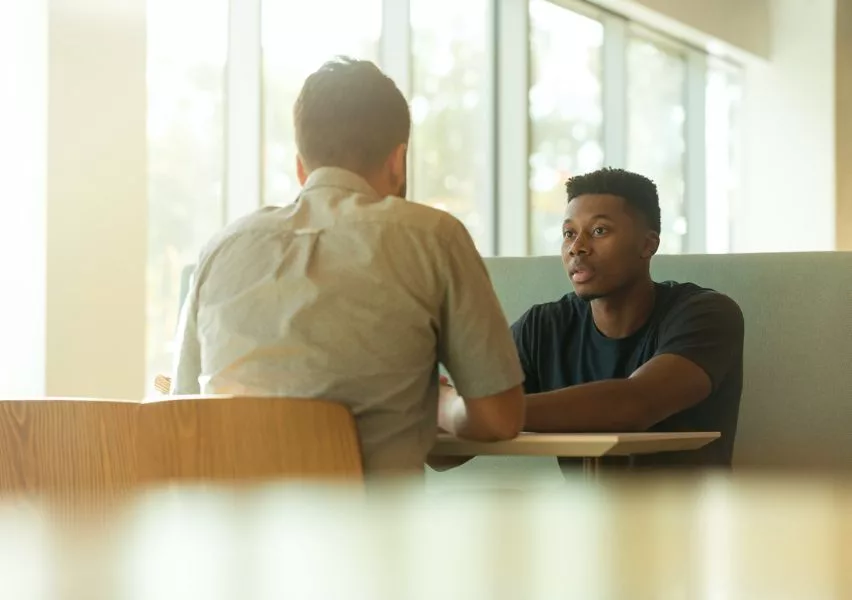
(601, 406)
(665, 385)
(455, 419)
(487, 419)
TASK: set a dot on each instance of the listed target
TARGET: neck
(374, 179)
(381, 188)
(623, 313)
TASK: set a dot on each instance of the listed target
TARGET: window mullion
(243, 87)
(513, 124)
(695, 175)
(395, 48)
(615, 125)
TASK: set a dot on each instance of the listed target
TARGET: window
(186, 79)
(656, 144)
(298, 37)
(566, 113)
(450, 153)
(724, 98)
(602, 91)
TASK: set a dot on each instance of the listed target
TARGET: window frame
(507, 215)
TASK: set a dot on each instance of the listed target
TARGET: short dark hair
(351, 115)
(637, 190)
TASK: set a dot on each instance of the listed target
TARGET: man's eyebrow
(594, 218)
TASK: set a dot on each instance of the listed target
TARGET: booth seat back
(796, 408)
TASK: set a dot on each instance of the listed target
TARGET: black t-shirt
(560, 346)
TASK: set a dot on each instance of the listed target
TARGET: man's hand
(446, 396)
(487, 419)
(491, 418)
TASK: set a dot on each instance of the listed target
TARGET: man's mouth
(581, 274)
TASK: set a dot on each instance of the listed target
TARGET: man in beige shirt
(352, 293)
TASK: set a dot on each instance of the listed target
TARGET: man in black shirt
(623, 353)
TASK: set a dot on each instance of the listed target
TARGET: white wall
(97, 199)
(789, 117)
(73, 181)
(789, 156)
(23, 165)
(741, 24)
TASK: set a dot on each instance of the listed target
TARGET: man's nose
(579, 246)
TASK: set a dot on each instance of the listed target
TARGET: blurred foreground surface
(697, 538)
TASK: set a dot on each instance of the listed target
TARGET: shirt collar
(338, 178)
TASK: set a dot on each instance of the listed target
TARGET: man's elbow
(640, 422)
(505, 429)
(638, 414)
(645, 412)
(501, 416)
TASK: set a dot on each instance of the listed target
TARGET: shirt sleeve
(523, 332)
(708, 330)
(475, 344)
(187, 363)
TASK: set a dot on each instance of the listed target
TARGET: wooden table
(591, 447)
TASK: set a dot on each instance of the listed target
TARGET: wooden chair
(246, 439)
(90, 453)
(64, 449)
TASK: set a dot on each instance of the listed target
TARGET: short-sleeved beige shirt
(347, 296)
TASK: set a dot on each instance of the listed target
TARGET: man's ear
(396, 162)
(301, 171)
(652, 244)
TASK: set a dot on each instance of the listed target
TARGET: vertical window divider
(395, 54)
(513, 127)
(615, 124)
(695, 175)
(243, 105)
(487, 200)
(395, 45)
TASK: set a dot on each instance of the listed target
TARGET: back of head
(350, 115)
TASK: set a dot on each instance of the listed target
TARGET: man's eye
(567, 234)
(599, 231)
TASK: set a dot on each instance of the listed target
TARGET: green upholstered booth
(796, 407)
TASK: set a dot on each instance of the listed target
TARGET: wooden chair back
(95, 451)
(68, 448)
(247, 439)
